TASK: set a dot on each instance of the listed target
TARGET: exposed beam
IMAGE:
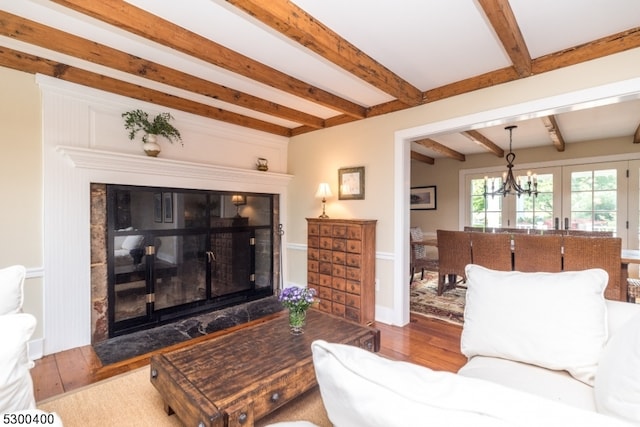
(483, 141)
(422, 158)
(166, 33)
(605, 46)
(137, 21)
(504, 23)
(37, 34)
(636, 136)
(551, 124)
(33, 64)
(439, 148)
(292, 21)
(471, 84)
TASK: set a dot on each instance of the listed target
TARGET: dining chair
(492, 250)
(418, 251)
(535, 252)
(581, 252)
(454, 253)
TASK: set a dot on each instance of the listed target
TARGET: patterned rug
(424, 300)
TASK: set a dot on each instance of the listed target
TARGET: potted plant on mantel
(138, 120)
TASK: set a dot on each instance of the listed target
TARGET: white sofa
(615, 386)
(544, 349)
(16, 327)
(17, 401)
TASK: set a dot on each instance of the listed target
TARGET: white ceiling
(428, 43)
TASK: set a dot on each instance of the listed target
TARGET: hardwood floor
(424, 341)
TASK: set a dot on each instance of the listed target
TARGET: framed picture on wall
(167, 207)
(157, 207)
(351, 183)
(423, 198)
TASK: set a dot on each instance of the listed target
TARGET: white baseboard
(35, 349)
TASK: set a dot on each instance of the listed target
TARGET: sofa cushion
(16, 388)
(554, 320)
(11, 289)
(617, 384)
(359, 388)
(132, 242)
(555, 385)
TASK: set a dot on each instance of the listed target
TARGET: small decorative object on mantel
(297, 300)
(138, 120)
(262, 165)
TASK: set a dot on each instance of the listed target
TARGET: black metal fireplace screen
(175, 252)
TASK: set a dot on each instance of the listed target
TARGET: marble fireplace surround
(78, 263)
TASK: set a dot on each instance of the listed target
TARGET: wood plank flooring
(424, 341)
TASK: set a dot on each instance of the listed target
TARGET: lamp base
(324, 205)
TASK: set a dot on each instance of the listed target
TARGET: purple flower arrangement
(297, 298)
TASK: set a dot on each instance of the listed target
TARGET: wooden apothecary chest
(341, 266)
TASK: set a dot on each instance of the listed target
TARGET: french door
(512, 211)
(594, 198)
(591, 197)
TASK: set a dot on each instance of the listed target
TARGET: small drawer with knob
(283, 389)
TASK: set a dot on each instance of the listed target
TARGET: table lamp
(323, 192)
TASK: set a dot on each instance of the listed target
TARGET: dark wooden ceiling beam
(137, 21)
(551, 124)
(506, 27)
(34, 64)
(422, 158)
(442, 149)
(484, 142)
(37, 34)
(292, 21)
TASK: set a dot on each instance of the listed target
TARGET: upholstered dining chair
(581, 252)
(535, 252)
(492, 250)
(419, 258)
(454, 253)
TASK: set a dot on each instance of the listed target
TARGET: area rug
(130, 400)
(424, 299)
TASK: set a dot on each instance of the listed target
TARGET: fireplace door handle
(211, 256)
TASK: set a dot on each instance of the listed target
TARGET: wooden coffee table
(235, 379)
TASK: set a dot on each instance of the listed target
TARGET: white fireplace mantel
(70, 172)
(82, 144)
(87, 158)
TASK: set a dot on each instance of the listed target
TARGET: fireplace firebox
(172, 253)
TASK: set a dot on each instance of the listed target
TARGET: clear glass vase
(297, 317)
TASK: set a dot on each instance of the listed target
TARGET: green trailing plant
(138, 120)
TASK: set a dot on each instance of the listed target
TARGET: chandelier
(511, 185)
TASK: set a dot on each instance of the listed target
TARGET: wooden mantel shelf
(85, 158)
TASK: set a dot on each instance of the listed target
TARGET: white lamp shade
(324, 191)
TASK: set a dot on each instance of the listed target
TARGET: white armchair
(16, 327)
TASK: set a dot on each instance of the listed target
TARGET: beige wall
(315, 157)
(21, 183)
